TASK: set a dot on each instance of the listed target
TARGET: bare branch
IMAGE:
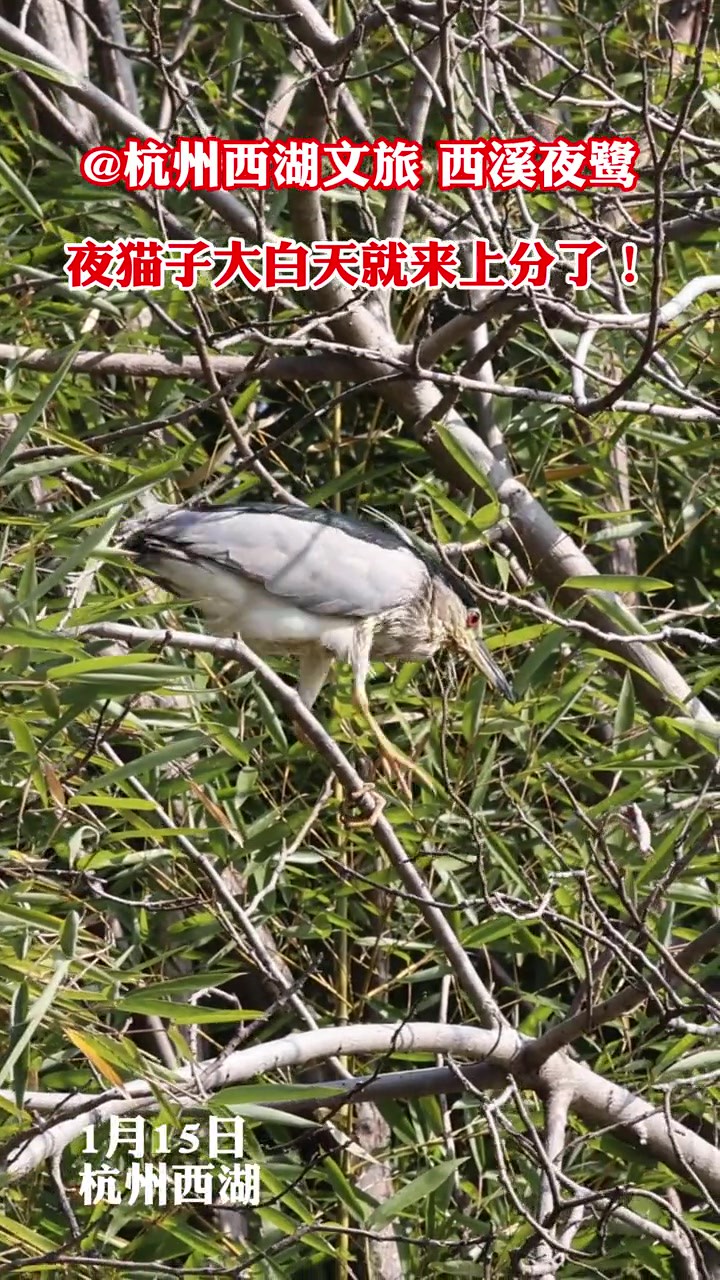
(593, 1098)
(144, 365)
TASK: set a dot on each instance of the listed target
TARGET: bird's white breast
(235, 605)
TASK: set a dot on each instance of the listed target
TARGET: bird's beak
(480, 655)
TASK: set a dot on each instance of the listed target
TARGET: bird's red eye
(473, 617)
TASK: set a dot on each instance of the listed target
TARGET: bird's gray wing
(312, 563)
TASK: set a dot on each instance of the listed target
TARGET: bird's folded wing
(312, 563)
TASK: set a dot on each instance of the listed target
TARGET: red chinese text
(149, 264)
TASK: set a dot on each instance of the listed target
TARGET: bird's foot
(397, 770)
(400, 767)
(392, 758)
(379, 802)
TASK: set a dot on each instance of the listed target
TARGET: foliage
(570, 837)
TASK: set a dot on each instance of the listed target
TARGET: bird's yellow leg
(396, 759)
(315, 664)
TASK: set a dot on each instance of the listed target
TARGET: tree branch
(593, 1098)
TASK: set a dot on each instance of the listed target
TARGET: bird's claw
(379, 802)
(394, 771)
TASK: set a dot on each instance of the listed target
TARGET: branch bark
(592, 1097)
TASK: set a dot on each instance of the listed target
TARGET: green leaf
(111, 802)
(625, 714)
(35, 1016)
(30, 470)
(270, 717)
(68, 935)
(181, 1014)
(80, 553)
(29, 638)
(463, 460)
(488, 516)
(703, 1060)
(12, 1231)
(241, 1094)
(22, 736)
(40, 404)
(617, 582)
(192, 982)
(419, 1189)
(22, 194)
(35, 68)
(705, 732)
(357, 1208)
(169, 754)
(107, 662)
(18, 1023)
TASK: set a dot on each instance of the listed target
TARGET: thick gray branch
(596, 1100)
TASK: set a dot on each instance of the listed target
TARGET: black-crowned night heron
(296, 581)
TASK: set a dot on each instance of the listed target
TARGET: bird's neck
(409, 630)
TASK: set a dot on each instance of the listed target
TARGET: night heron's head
(462, 626)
